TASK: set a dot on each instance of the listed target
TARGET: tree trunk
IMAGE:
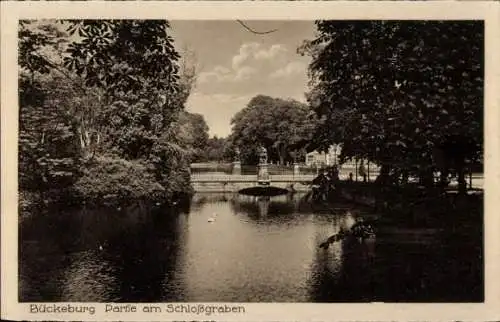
(281, 153)
(426, 177)
(383, 176)
(356, 168)
(462, 184)
(443, 177)
(406, 176)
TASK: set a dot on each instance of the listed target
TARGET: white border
(11, 12)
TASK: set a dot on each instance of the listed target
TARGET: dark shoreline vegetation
(103, 120)
(101, 109)
(415, 207)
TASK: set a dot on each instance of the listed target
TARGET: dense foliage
(49, 154)
(281, 126)
(111, 180)
(406, 95)
(101, 111)
(218, 150)
(193, 130)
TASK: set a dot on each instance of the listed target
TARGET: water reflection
(265, 209)
(258, 249)
(200, 199)
(98, 255)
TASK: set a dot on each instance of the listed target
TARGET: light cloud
(251, 59)
(251, 52)
(245, 53)
(273, 52)
(217, 74)
(291, 69)
(244, 73)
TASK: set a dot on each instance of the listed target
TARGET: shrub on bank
(110, 180)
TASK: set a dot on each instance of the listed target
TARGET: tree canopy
(193, 132)
(281, 126)
(102, 99)
(49, 154)
(405, 94)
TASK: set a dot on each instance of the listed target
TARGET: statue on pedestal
(296, 168)
(237, 155)
(262, 155)
(263, 175)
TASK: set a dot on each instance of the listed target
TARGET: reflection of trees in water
(429, 272)
(97, 255)
(200, 199)
(389, 270)
(146, 256)
(50, 246)
(89, 277)
(254, 206)
(262, 208)
(42, 261)
(353, 278)
(344, 271)
(357, 273)
(323, 278)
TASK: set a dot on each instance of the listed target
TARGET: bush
(111, 180)
(170, 165)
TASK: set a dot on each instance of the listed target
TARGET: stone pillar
(237, 167)
(237, 162)
(296, 169)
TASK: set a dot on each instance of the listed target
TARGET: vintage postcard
(253, 161)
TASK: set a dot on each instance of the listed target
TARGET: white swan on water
(212, 219)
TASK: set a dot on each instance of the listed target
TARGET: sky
(234, 65)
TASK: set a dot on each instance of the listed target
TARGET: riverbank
(413, 206)
(32, 204)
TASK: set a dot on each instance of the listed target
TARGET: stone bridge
(235, 182)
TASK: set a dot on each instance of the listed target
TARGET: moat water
(252, 250)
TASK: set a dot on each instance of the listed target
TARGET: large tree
(281, 126)
(193, 134)
(49, 152)
(406, 95)
(109, 87)
(135, 64)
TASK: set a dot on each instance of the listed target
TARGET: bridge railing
(211, 177)
(476, 181)
(227, 168)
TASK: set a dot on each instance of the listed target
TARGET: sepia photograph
(249, 161)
